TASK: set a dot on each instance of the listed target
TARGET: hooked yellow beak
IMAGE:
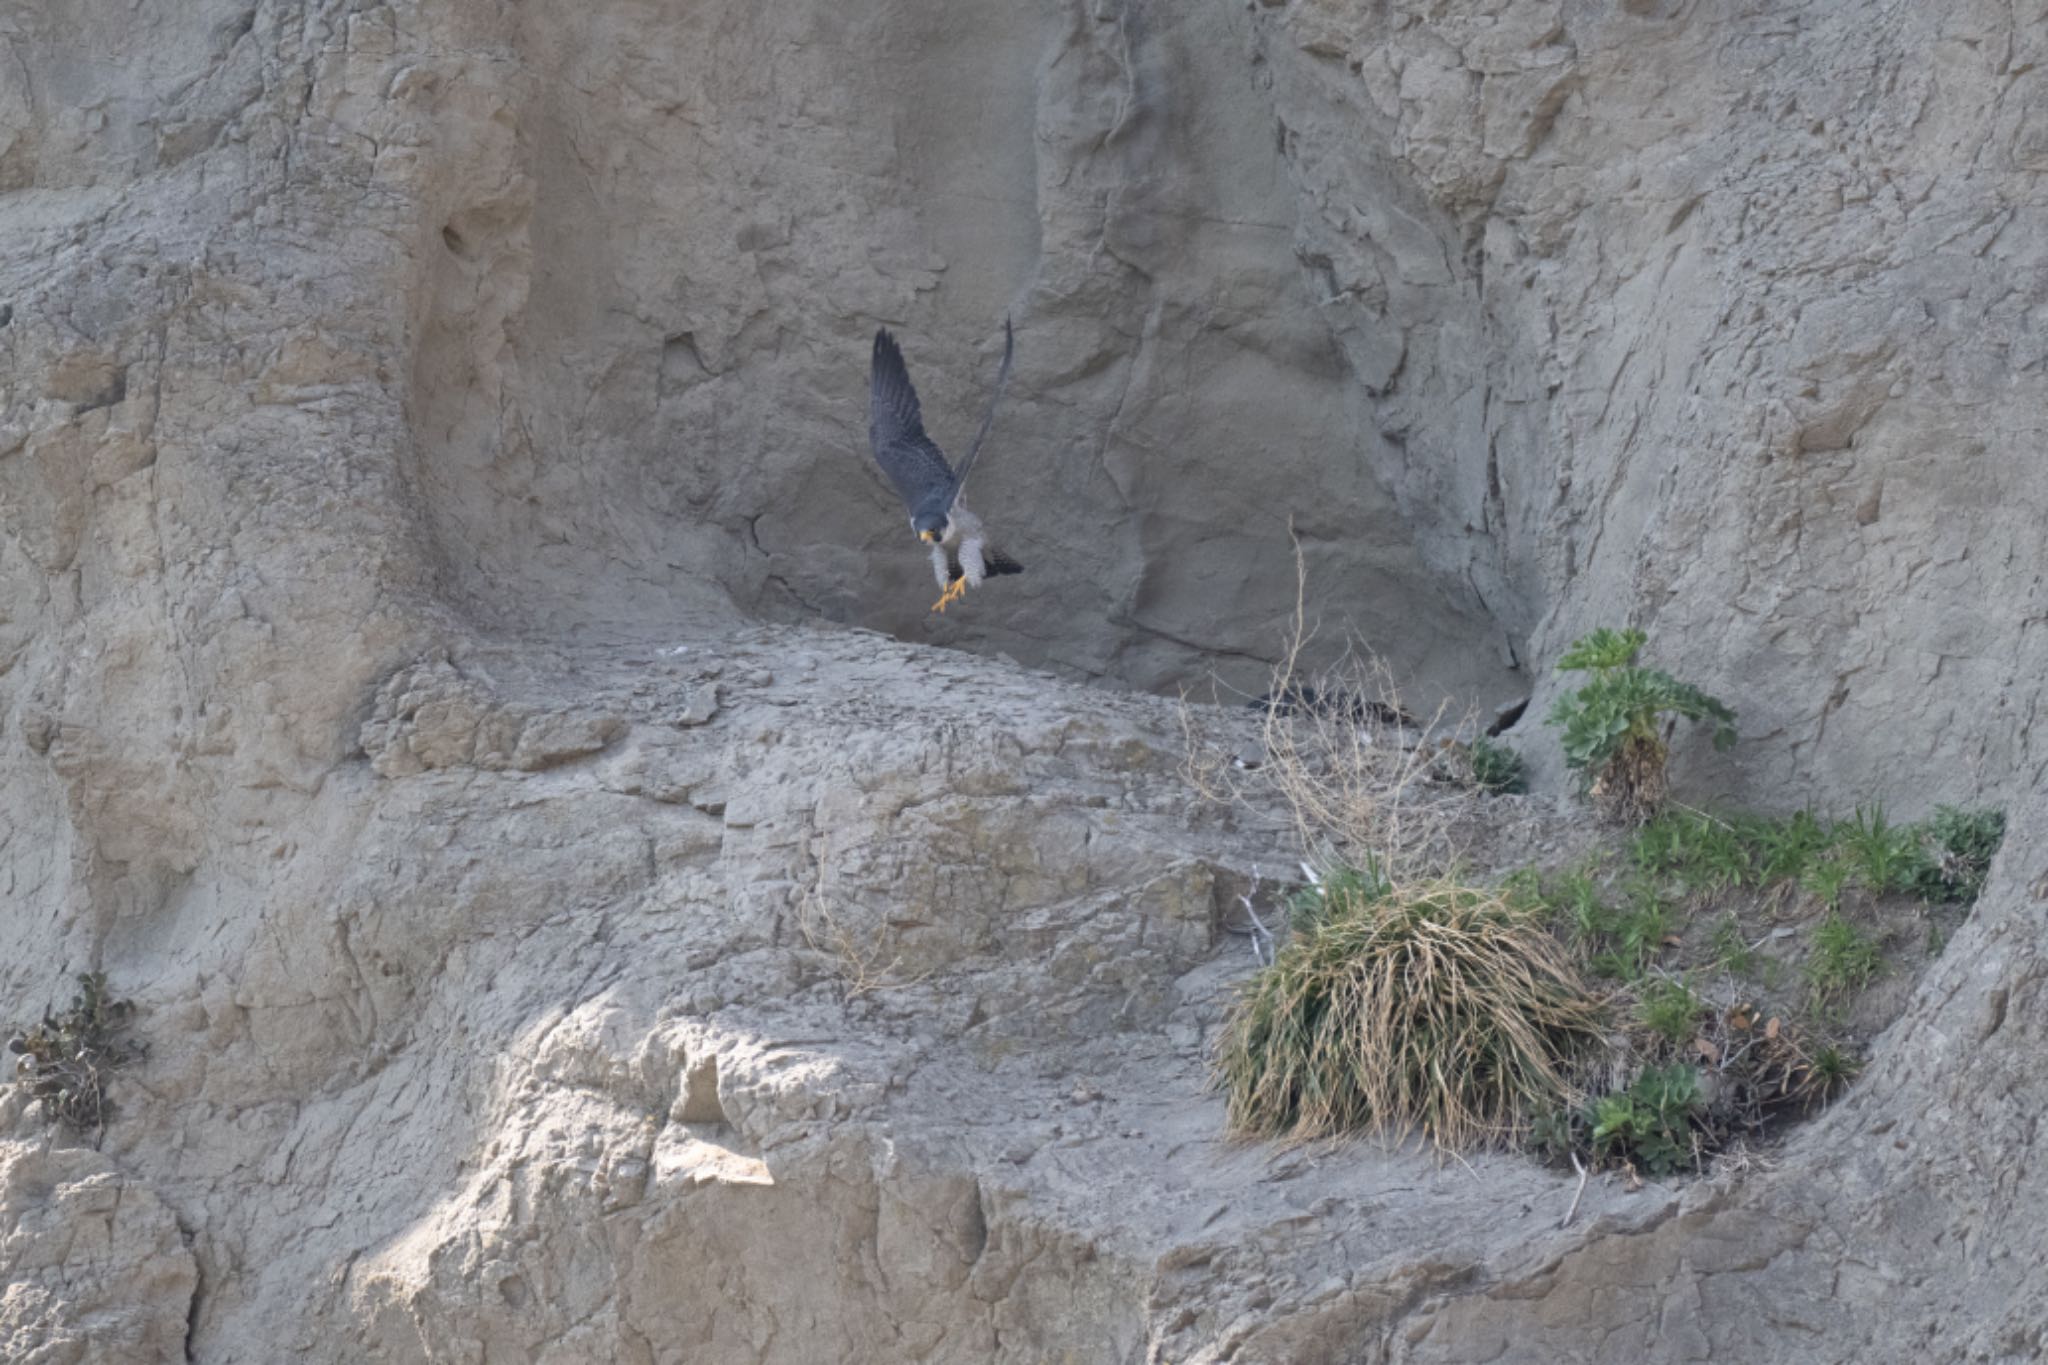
(930, 537)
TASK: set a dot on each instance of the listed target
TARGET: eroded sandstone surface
(446, 673)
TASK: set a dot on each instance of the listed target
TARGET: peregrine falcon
(929, 487)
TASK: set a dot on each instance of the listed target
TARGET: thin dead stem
(860, 965)
(1337, 750)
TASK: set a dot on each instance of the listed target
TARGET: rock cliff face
(434, 527)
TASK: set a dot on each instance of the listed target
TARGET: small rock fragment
(702, 706)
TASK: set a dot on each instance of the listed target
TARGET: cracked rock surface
(447, 675)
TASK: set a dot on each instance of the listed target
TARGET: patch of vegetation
(1438, 1008)
(1701, 853)
(1732, 949)
(1336, 891)
(1643, 928)
(1611, 725)
(1650, 1125)
(1959, 845)
(1742, 946)
(1825, 880)
(1842, 960)
(1496, 769)
(65, 1061)
(1576, 903)
(1668, 1008)
(1826, 1074)
(1885, 857)
(1691, 912)
(1786, 848)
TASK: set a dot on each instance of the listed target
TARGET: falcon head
(932, 527)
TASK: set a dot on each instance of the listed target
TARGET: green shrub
(1440, 1008)
(1959, 846)
(1611, 724)
(65, 1061)
(1650, 1123)
(1496, 769)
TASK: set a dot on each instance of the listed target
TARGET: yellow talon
(955, 590)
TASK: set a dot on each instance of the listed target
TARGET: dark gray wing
(989, 416)
(914, 464)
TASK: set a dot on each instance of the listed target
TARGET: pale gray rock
(396, 398)
(92, 1266)
(701, 707)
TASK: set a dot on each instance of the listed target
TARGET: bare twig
(860, 967)
(1577, 1194)
(1261, 937)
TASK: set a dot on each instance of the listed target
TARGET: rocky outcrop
(95, 1268)
(434, 536)
(1726, 325)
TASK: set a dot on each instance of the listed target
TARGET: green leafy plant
(65, 1061)
(1496, 769)
(1959, 846)
(1650, 1123)
(1842, 959)
(1611, 725)
(1668, 1008)
(1436, 1007)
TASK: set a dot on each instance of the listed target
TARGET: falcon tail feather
(994, 564)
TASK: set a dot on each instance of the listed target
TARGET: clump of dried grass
(1426, 1007)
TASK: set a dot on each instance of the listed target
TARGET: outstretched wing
(989, 416)
(914, 464)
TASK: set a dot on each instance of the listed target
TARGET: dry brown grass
(1434, 1007)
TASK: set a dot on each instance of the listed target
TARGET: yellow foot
(955, 590)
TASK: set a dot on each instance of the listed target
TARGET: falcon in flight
(929, 487)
